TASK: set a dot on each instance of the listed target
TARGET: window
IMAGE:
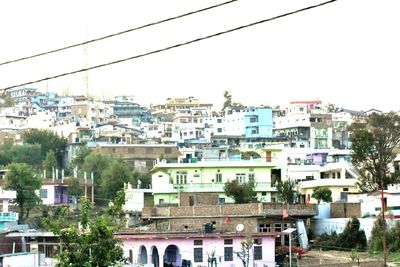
(228, 254)
(228, 241)
(181, 177)
(219, 120)
(251, 177)
(218, 177)
(257, 253)
(264, 227)
(198, 254)
(345, 189)
(278, 227)
(43, 193)
(253, 119)
(241, 177)
(161, 201)
(219, 130)
(198, 242)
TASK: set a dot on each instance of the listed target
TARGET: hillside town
(240, 186)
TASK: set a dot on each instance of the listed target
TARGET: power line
(170, 47)
(116, 34)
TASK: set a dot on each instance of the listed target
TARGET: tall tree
(96, 163)
(373, 145)
(27, 153)
(50, 163)
(228, 100)
(92, 244)
(322, 193)
(81, 153)
(241, 192)
(287, 191)
(21, 178)
(48, 141)
(114, 177)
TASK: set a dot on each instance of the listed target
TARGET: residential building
(204, 233)
(171, 179)
(7, 217)
(173, 104)
(140, 156)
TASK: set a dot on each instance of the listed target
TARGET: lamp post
(289, 231)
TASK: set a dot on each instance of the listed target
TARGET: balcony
(217, 187)
(328, 182)
(8, 216)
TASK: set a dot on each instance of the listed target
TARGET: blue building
(258, 123)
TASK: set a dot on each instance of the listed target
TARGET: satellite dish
(239, 227)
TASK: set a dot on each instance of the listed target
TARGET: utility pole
(383, 223)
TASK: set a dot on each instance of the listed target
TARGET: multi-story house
(305, 125)
(128, 112)
(140, 156)
(89, 112)
(170, 179)
(11, 119)
(341, 120)
(173, 104)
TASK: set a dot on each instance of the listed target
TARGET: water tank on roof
(208, 228)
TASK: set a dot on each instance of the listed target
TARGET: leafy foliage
(96, 163)
(393, 234)
(50, 163)
(90, 245)
(372, 145)
(351, 238)
(27, 153)
(250, 154)
(322, 193)
(114, 177)
(287, 191)
(20, 177)
(241, 192)
(48, 141)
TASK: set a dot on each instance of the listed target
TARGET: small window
(228, 241)
(198, 242)
(257, 241)
(198, 254)
(43, 193)
(264, 227)
(345, 189)
(218, 177)
(228, 254)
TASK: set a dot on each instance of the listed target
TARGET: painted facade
(190, 249)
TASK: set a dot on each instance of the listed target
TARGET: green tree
(48, 141)
(322, 193)
(21, 178)
(96, 163)
(352, 236)
(92, 244)
(81, 153)
(50, 163)
(7, 101)
(114, 177)
(27, 153)
(287, 191)
(241, 192)
(74, 189)
(373, 145)
(228, 100)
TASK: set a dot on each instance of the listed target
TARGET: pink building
(197, 249)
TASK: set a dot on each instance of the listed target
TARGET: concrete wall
(345, 210)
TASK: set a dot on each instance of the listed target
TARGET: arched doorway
(142, 255)
(155, 259)
(171, 256)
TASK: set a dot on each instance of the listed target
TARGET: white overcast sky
(347, 52)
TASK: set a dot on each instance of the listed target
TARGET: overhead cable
(169, 47)
(116, 34)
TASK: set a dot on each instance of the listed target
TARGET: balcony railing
(218, 187)
(8, 216)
